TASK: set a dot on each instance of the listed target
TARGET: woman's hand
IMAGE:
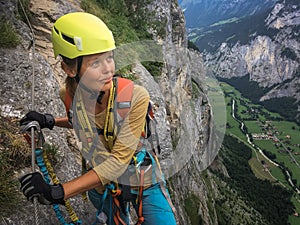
(33, 185)
(44, 120)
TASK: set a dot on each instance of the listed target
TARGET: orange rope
(140, 199)
(116, 206)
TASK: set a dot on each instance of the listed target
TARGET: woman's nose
(105, 66)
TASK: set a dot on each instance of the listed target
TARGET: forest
(272, 201)
(240, 30)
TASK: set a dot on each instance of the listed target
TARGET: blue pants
(156, 209)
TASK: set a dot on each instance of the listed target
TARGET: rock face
(183, 107)
(271, 60)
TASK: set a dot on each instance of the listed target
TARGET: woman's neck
(91, 104)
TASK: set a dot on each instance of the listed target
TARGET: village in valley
(274, 140)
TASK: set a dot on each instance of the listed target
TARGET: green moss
(9, 37)
(128, 22)
(51, 152)
(160, 27)
(191, 45)
(208, 179)
(15, 154)
(155, 68)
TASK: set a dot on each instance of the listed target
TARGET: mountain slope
(265, 47)
(202, 13)
(242, 30)
(188, 130)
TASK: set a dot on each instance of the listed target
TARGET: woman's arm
(81, 184)
(63, 122)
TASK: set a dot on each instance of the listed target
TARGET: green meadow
(278, 139)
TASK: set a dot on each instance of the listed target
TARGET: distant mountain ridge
(264, 47)
(202, 13)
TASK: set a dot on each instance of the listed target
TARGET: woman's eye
(95, 63)
(98, 62)
(109, 58)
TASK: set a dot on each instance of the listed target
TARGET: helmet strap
(79, 64)
(93, 94)
(100, 96)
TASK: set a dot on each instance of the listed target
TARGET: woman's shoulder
(140, 92)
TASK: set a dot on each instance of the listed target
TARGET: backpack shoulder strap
(124, 92)
(119, 104)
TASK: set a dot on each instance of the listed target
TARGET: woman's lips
(105, 80)
(109, 80)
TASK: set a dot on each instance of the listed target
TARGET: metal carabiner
(39, 140)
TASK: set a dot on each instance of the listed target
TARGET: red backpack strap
(123, 96)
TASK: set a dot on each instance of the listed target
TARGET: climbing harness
(47, 169)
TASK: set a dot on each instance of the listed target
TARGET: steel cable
(35, 205)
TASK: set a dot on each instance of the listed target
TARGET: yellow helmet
(79, 33)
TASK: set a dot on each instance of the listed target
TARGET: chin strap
(93, 94)
(100, 96)
(79, 64)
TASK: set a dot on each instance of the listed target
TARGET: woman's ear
(70, 71)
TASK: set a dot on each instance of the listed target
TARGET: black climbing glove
(33, 185)
(44, 120)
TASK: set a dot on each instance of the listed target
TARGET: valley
(252, 47)
(260, 48)
(275, 143)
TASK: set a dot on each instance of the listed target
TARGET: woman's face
(97, 71)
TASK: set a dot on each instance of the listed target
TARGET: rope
(140, 199)
(107, 135)
(55, 180)
(35, 205)
(116, 207)
(48, 176)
